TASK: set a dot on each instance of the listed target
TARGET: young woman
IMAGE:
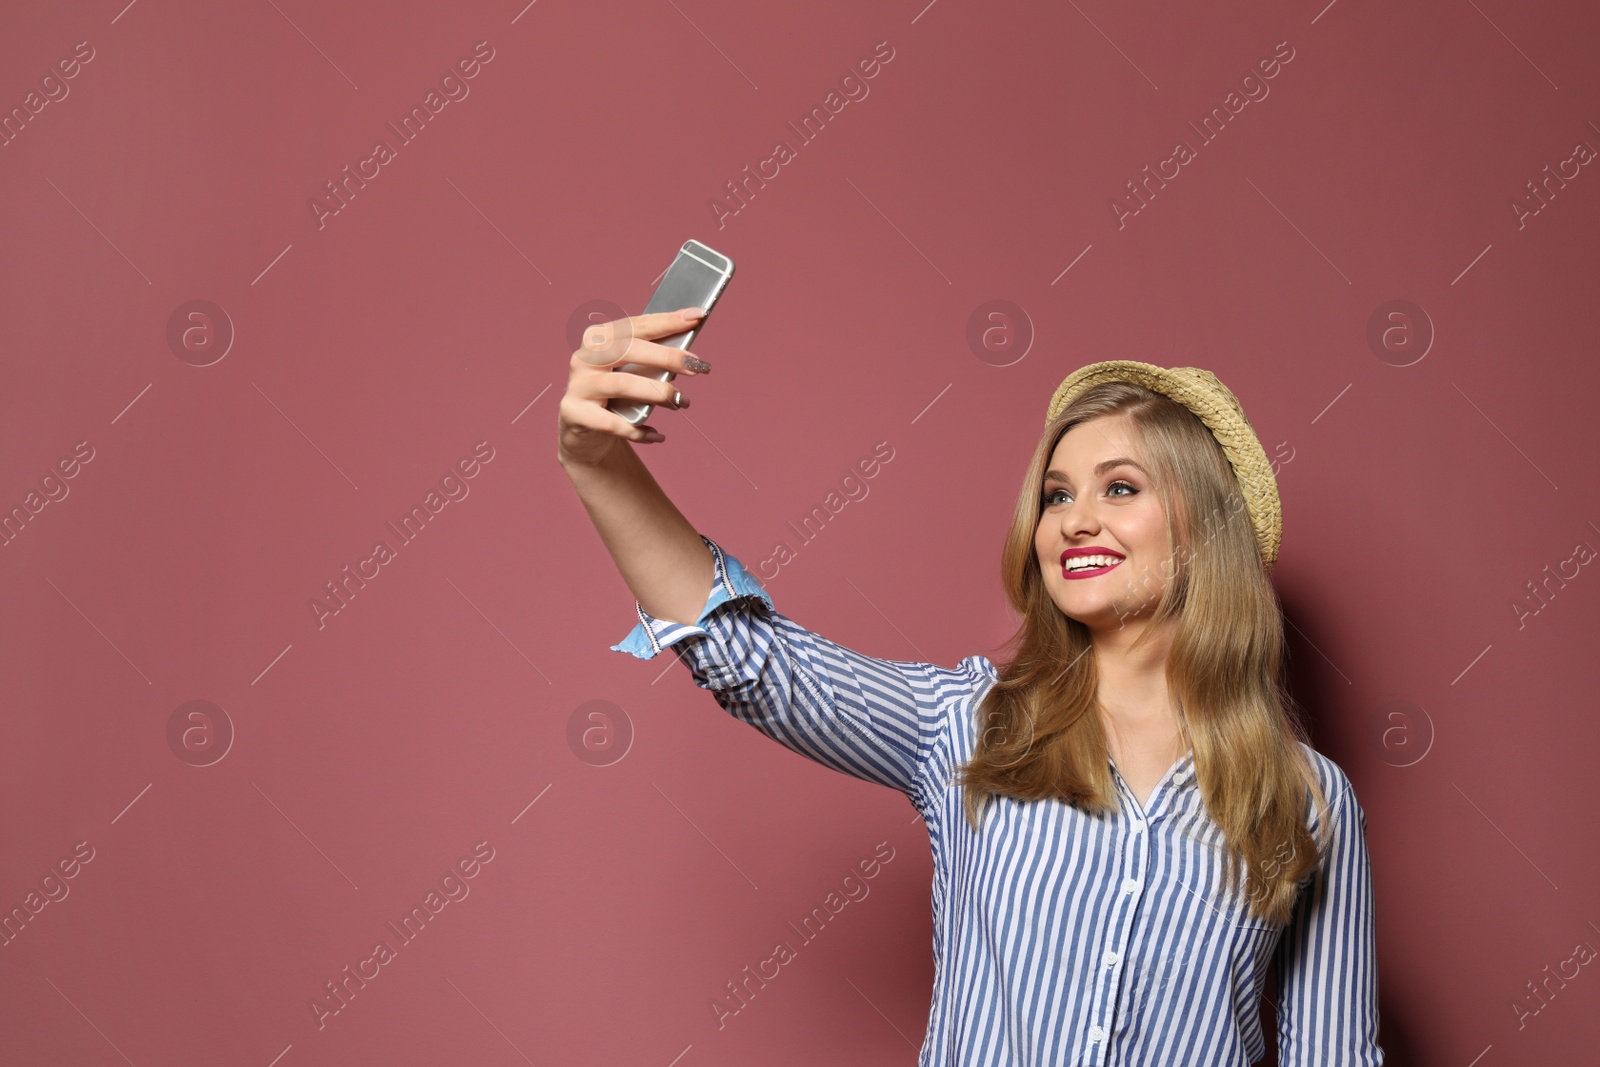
(1127, 824)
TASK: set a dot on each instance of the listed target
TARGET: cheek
(1149, 528)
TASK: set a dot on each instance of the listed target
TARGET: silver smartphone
(695, 279)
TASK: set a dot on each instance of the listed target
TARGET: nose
(1077, 518)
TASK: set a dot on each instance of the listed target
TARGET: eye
(1049, 496)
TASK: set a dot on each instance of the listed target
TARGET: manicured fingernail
(696, 364)
(694, 313)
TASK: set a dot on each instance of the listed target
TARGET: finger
(611, 355)
(600, 419)
(608, 343)
(677, 360)
(662, 323)
(602, 387)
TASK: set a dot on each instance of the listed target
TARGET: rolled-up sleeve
(873, 719)
(730, 581)
(1326, 962)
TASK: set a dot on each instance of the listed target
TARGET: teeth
(1080, 563)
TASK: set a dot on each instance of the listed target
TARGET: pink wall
(1429, 481)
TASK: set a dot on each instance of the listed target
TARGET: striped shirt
(1059, 937)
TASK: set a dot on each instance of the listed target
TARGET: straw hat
(1202, 393)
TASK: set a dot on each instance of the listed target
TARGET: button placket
(1135, 859)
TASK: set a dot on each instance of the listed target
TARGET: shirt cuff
(731, 580)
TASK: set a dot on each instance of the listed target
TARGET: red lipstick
(1112, 559)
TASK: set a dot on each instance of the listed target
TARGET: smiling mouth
(1089, 566)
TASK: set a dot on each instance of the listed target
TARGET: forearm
(656, 550)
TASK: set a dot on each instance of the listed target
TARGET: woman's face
(1097, 496)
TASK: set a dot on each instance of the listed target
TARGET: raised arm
(656, 550)
(869, 718)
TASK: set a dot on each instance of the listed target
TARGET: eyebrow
(1100, 468)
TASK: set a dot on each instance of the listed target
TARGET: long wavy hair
(1042, 736)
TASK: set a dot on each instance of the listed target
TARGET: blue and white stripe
(1059, 937)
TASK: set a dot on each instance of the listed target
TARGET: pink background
(365, 756)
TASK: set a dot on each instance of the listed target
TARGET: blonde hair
(1041, 733)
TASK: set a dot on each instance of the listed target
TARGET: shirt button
(1138, 824)
(1110, 958)
(1095, 1033)
(1131, 885)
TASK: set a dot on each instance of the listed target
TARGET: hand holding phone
(588, 432)
(696, 278)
